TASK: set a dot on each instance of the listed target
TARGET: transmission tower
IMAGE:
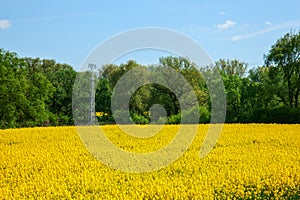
(92, 94)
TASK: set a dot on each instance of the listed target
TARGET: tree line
(34, 92)
(38, 92)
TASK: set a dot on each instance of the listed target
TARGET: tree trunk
(290, 94)
(297, 97)
(297, 92)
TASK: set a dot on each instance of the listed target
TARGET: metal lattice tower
(92, 94)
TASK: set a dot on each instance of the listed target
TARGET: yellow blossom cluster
(249, 161)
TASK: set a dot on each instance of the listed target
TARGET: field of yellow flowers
(251, 161)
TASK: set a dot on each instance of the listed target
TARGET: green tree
(284, 62)
(39, 92)
(24, 91)
(259, 96)
(61, 77)
(13, 88)
(232, 67)
(190, 72)
(144, 97)
(233, 73)
(103, 100)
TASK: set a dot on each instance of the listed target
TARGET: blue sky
(67, 31)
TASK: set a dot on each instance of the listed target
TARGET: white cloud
(268, 23)
(236, 38)
(4, 24)
(223, 13)
(289, 24)
(226, 25)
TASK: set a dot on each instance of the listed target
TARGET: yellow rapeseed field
(251, 161)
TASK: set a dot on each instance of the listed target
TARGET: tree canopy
(38, 92)
(284, 62)
(34, 92)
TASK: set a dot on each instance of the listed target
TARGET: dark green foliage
(284, 62)
(62, 78)
(174, 119)
(35, 92)
(139, 119)
(204, 115)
